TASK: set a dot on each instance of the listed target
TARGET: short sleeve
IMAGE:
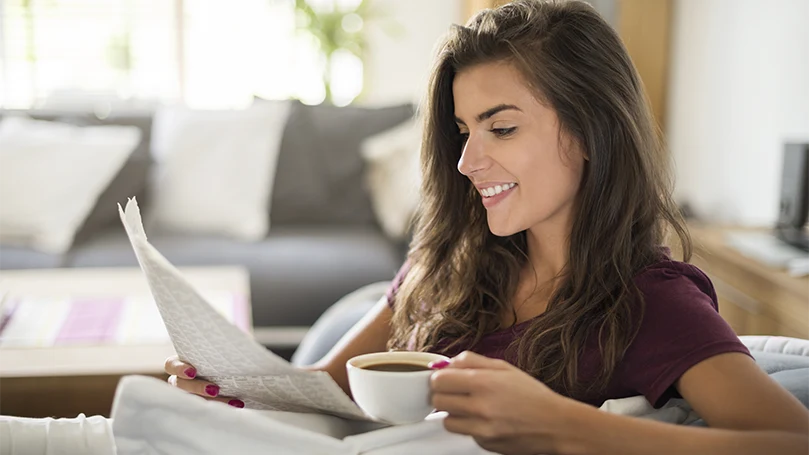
(681, 327)
(396, 283)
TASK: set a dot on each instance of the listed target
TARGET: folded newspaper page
(220, 351)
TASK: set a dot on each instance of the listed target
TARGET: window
(136, 53)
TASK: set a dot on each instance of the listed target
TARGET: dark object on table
(794, 206)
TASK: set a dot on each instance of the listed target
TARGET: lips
(495, 189)
(496, 196)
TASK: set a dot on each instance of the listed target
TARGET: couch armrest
(777, 344)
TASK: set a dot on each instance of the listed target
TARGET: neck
(548, 245)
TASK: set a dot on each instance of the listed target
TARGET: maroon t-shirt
(681, 327)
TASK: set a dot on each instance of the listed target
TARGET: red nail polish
(212, 390)
(190, 372)
(438, 364)
(236, 403)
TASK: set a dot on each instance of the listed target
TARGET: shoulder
(675, 282)
(680, 327)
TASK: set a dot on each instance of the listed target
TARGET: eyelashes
(503, 132)
(500, 133)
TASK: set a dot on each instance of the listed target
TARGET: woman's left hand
(504, 409)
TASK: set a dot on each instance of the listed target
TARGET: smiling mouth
(495, 190)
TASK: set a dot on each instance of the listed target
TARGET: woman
(539, 246)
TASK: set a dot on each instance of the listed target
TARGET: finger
(179, 368)
(469, 359)
(235, 402)
(455, 381)
(456, 405)
(469, 426)
(195, 386)
(208, 391)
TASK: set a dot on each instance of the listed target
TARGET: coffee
(396, 366)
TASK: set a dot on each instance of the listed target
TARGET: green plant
(341, 28)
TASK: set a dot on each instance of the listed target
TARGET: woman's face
(513, 155)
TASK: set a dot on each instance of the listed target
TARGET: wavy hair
(462, 277)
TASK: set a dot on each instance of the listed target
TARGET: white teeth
(497, 189)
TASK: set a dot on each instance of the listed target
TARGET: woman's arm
(747, 411)
(507, 411)
(370, 334)
(616, 434)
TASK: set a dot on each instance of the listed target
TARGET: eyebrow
(491, 112)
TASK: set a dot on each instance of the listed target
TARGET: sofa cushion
(295, 273)
(130, 181)
(53, 174)
(336, 322)
(796, 381)
(18, 257)
(320, 174)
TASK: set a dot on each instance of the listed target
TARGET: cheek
(549, 177)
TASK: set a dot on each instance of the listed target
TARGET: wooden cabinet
(753, 298)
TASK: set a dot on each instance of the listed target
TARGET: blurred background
(134, 53)
(274, 144)
(727, 78)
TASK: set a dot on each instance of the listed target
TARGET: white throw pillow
(216, 169)
(393, 176)
(51, 176)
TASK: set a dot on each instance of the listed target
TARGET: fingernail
(190, 372)
(236, 403)
(438, 364)
(212, 390)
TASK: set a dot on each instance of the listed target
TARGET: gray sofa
(324, 240)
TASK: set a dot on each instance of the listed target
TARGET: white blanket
(152, 418)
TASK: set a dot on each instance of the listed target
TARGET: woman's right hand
(181, 375)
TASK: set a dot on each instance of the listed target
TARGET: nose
(473, 157)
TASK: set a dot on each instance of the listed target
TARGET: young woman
(539, 264)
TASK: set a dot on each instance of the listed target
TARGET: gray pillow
(319, 178)
(131, 180)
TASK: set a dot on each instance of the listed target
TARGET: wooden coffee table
(78, 372)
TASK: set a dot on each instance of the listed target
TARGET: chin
(502, 229)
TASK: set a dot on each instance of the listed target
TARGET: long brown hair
(462, 277)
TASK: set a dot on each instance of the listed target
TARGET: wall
(739, 88)
(397, 67)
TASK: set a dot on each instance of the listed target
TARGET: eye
(503, 132)
(464, 137)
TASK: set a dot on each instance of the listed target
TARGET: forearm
(370, 334)
(614, 434)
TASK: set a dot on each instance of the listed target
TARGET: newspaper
(221, 352)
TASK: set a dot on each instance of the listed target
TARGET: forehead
(482, 86)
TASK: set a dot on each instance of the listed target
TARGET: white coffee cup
(394, 397)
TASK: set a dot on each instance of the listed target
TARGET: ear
(572, 148)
